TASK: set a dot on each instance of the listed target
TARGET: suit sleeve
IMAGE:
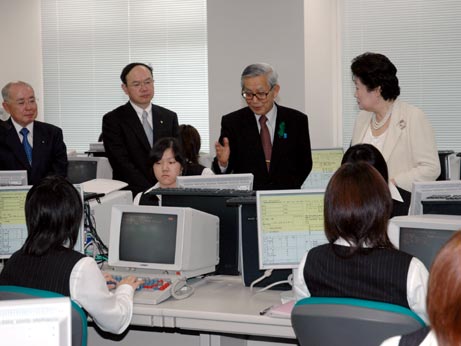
(118, 155)
(59, 155)
(305, 154)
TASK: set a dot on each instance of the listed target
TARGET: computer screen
(432, 190)
(289, 223)
(242, 181)
(422, 235)
(163, 239)
(325, 162)
(81, 169)
(13, 228)
(38, 322)
(13, 178)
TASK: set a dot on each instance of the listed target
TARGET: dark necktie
(266, 140)
(147, 128)
(25, 143)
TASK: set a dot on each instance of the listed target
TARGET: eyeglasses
(146, 83)
(261, 96)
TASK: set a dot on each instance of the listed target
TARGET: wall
(298, 37)
(242, 32)
(21, 54)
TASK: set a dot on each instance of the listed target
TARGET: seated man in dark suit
(28, 144)
(265, 139)
(130, 130)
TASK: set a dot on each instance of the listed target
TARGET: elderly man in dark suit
(28, 144)
(130, 130)
(265, 139)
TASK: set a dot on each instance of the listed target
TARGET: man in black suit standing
(265, 139)
(130, 130)
(28, 144)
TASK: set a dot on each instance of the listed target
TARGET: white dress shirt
(30, 135)
(416, 283)
(110, 310)
(139, 112)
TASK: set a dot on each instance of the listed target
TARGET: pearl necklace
(375, 124)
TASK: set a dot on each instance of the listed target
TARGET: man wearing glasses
(130, 130)
(265, 139)
(28, 144)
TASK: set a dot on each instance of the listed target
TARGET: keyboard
(155, 289)
(444, 197)
(202, 192)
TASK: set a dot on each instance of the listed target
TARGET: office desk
(221, 310)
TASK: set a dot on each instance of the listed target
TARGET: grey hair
(6, 89)
(260, 69)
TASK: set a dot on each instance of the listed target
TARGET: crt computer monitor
(82, 169)
(38, 322)
(149, 239)
(422, 235)
(430, 190)
(289, 223)
(214, 202)
(13, 228)
(325, 162)
(13, 178)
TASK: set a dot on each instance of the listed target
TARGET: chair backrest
(79, 319)
(348, 321)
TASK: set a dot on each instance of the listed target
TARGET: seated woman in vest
(360, 261)
(443, 301)
(53, 215)
(369, 153)
(190, 142)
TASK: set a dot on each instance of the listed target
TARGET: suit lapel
(132, 120)
(280, 124)
(13, 141)
(393, 132)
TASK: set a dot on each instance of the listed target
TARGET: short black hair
(129, 67)
(54, 213)
(357, 207)
(163, 144)
(376, 70)
(368, 153)
(189, 139)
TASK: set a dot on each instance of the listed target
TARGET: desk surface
(219, 304)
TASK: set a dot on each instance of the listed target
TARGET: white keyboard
(155, 289)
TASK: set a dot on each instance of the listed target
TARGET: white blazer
(409, 149)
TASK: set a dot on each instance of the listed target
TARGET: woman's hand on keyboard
(132, 280)
(110, 281)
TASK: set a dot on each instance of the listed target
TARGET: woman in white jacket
(399, 130)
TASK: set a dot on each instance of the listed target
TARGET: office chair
(319, 321)
(79, 319)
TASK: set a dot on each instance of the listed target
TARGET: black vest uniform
(49, 272)
(415, 338)
(373, 274)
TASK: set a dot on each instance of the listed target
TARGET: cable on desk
(183, 292)
(92, 238)
(289, 281)
(266, 274)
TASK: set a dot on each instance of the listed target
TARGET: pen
(264, 311)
